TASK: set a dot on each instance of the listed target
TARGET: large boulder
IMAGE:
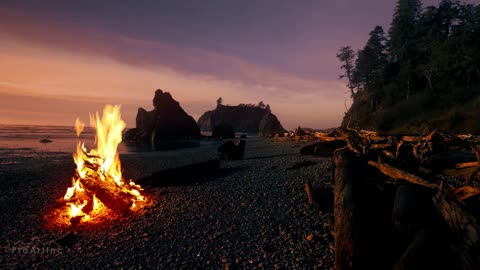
(231, 151)
(167, 121)
(269, 126)
(224, 131)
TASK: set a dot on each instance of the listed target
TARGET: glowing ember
(98, 175)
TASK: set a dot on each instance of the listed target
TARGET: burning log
(98, 180)
(108, 193)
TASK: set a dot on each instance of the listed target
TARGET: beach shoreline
(253, 214)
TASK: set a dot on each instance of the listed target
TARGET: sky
(65, 59)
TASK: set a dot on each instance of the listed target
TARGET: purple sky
(281, 52)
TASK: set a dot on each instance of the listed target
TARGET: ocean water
(19, 142)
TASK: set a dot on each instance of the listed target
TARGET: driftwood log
(394, 209)
(398, 174)
(465, 229)
(344, 209)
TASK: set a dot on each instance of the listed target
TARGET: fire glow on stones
(98, 183)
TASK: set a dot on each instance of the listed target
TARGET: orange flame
(102, 163)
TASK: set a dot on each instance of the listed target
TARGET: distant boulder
(231, 150)
(224, 131)
(167, 121)
(269, 126)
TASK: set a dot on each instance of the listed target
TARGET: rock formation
(224, 131)
(269, 126)
(243, 118)
(167, 121)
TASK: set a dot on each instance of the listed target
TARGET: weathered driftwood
(403, 208)
(412, 255)
(308, 191)
(466, 165)
(108, 193)
(355, 141)
(465, 229)
(452, 232)
(398, 174)
(447, 159)
(324, 148)
(344, 209)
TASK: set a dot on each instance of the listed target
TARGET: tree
(261, 105)
(267, 107)
(402, 28)
(402, 45)
(219, 102)
(347, 56)
(370, 66)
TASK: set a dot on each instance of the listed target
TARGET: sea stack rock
(269, 126)
(167, 121)
(224, 131)
(244, 118)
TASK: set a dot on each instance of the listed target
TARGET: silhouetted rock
(167, 121)
(243, 118)
(231, 151)
(299, 132)
(224, 131)
(269, 126)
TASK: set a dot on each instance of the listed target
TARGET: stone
(231, 151)
(270, 125)
(167, 121)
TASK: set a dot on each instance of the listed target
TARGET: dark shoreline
(256, 215)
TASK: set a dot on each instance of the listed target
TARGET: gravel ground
(252, 214)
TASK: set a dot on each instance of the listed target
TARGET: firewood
(108, 193)
(398, 174)
(465, 229)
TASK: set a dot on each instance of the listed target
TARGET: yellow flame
(79, 126)
(102, 162)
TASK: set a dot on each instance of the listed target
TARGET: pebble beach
(251, 214)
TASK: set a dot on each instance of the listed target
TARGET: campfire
(98, 186)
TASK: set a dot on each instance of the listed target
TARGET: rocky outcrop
(231, 151)
(243, 118)
(224, 131)
(269, 126)
(167, 121)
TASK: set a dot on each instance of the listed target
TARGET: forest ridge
(423, 74)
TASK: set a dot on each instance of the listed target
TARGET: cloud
(52, 62)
